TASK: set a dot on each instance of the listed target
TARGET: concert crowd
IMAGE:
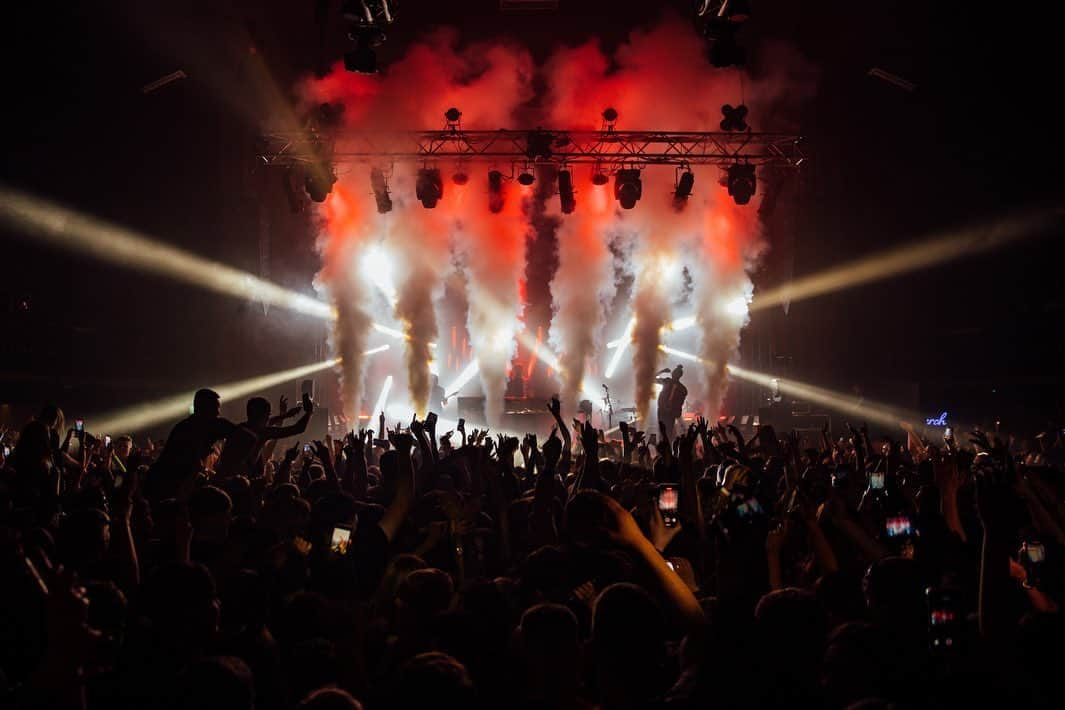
(242, 565)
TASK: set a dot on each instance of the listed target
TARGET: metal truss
(609, 149)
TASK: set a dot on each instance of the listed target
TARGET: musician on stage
(671, 398)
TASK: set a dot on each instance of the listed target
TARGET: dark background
(974, 141)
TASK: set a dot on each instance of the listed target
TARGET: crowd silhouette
(404, 567)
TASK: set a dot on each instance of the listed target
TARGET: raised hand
(293, 452)
(322, 451)
(555, 407)
(402, 441)
(589, 440)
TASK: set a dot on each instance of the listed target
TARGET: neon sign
(941, 420)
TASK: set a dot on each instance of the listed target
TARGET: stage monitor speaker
(472, 409)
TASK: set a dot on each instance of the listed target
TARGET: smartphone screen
(340, 541)
(79, 426)
(1035, 551)
(949, 432)
(107, 439)
(306, 448)
(430, 419)
(898, 526)
(668, 502)
(462, 423)
(876, 481)
(944, 618)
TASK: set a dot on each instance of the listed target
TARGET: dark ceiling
(975, 140)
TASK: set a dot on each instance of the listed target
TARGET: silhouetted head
(207, 403)
(258, 410)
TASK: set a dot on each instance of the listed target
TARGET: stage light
(429, 187)
(742, 182)
(680, 353)
(460, 178)
(380, 191)
(610, 117)
(362, 59)
(615, 359)
(737, 308)
(538, 145)
(735, 119)
(915, 256)
(382, 399)
(684, 189)
(91, 237)
(392, 332)
(526, 178)
(724, 51)
(600, 178)
(452, 115)
(565, 192)
(319, 183)
(464, 377)
(627, 188)
(861, 410)
(377, 269)
(495, 191)
(151, 414)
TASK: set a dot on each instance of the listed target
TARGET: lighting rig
(609, 152)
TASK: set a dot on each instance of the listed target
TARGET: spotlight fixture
(452, 115)
(526, 177)
(610, 116)
(565, 191)
(600, 178)
(538, 145)
(627, 188)
(735, 119)
(495, 191)
(742, 182)
(683, 189)
(319, 183)
(734, 10)
(362, 58)
(429, 188)
(460, 177)
(724, 51)
(380, 191)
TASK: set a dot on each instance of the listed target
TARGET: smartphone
(107, 439)
(120, 481)
(668, 503)
(307, 449)
(948, 433)
(944, 618)
(1032, 556)
(876, 481)
(430, 420)
(1035, 552)
(462, 424)
(898, 526)
(79, 428)
(307, 388)
(7, 451)
(340, 540)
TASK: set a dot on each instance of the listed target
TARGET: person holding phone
(245, 443)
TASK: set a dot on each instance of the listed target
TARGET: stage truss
(609, 149)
